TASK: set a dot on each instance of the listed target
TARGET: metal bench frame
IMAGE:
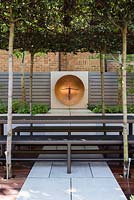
(74, 140)
(67, 128)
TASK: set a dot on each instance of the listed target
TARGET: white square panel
(83, 76)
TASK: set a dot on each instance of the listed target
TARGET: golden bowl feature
(69, 90)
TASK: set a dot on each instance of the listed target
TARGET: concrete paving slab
(45, 189)
(40, 169)
(101, 170)
(88, 156)
(78, 169)
(96, 189)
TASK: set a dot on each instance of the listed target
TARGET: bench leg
(1, 129)
(1, 150)
(120, 133)
(69, 134)
(130, 129)
(18, 133)
(68, 158)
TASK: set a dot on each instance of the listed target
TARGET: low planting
(110, 109)
(3, 107)
(24, 108)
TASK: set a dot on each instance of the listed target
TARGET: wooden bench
(62, 140)
(67, 128)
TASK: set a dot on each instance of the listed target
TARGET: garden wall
(50, 62)
(41, 87)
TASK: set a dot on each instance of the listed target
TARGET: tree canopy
(67, 26)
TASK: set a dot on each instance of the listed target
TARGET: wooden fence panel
(41, 87)
(42, 84)
(110, 88)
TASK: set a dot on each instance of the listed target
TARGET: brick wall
(82, 61)
(3, 61)
(50, 62)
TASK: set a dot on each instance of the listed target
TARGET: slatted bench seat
(62, 140)
(67, 128)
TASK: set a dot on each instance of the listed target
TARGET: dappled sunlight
(46, 194)
(31, 194)
(71, 190)
(42, 194)
(118, 189)
(24, 195)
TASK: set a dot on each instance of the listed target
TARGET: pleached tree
(10, 14)
(13, 14)
(121, 15)
(22, 17)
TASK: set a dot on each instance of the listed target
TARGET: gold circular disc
(69, 90)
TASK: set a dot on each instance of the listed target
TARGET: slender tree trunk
(120, 82)
(10, 94)
(23, 88)
(31, 81)
(102, 82)
(120, 88)
(124, 100)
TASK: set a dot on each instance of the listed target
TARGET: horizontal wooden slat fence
(42, 85)
(110, 88)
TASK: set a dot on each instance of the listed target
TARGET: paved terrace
(88, 180)
(49, 181)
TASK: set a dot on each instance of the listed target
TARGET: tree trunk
(102, 82)
(23, 88)
(124, 99)
(120, 81)
(31, 81)
(10, 94)
(120, 88)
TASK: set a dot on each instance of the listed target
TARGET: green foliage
(130, 57)
(39, 108)
(94, 56)
(18, 54)
(113, 109)
(95, 108)
(24, 108)
(131, 108)
(15, 105)
(39, 54)
(132, 197)
(19, 107)
(3, 108)
(110, 109)
(66, 25)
